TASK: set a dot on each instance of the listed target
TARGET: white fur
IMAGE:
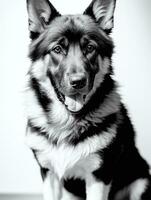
(68, 196)
(64, 159)
(62, 122)
(51, 187)
(137, 188)
(104, 9)
(96, 189)
(34, 111)
(106, 191)
(54, 190)
(60, 117)
(34, 9)
(38, 69)
(134, 190)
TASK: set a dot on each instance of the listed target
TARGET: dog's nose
(78, 81)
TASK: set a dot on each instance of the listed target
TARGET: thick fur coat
(78, 128)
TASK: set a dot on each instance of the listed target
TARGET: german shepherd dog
(78, 127)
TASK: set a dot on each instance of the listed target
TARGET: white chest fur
(67, 160)
(63, 159)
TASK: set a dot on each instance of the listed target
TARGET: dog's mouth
(75, 103)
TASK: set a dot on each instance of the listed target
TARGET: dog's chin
(75, 103)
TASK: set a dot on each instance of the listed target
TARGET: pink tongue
(74, 103)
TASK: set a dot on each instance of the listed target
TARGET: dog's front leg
(51, 187)
(96, 189)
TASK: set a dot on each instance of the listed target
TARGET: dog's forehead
(74, 26)
(75, 20)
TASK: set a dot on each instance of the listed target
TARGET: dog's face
(77, 47)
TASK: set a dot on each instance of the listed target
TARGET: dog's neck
(56, 118)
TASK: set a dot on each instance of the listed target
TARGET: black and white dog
(78, 128)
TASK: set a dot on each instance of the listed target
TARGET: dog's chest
(67, 161)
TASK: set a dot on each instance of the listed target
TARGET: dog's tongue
(74, 103)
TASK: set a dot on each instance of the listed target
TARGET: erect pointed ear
(40, 13)
(103, 12)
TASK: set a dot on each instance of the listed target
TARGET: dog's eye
(90, 48)
(57, 49)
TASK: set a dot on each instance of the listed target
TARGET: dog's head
(78, 47)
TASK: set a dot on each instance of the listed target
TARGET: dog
(78, 128)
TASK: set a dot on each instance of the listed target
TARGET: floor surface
(20, 197)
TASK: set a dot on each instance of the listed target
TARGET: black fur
(42, 97)
(101, 93)
(54, 13)
(73, 33)
(36, 129)
(92, 129)
(121, 163)
(76, 187)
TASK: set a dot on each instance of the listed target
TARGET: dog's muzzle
(78, 83)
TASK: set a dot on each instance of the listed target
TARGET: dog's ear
(40, 14)
(102, 11)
